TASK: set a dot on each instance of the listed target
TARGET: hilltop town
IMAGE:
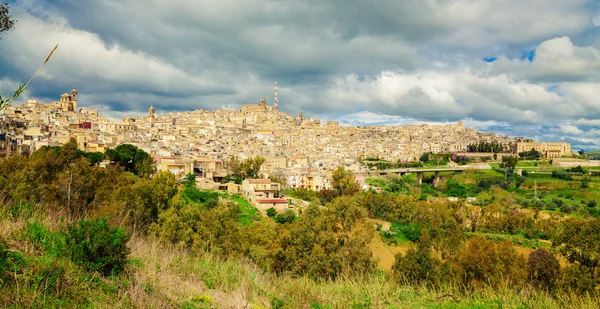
(303, 150)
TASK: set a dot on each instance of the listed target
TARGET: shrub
(412, 231)
(44, 239)
(287, 216)
(419, 266)
(579, 279)
(561, 175)
(277, 303)
(592, 203)
(481, 261)
(96, 246)
(542, 269)
(271, 212)
(11, 261)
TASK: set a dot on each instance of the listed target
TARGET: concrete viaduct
(421, 171)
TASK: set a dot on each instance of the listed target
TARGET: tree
(190, 180)
(344, 182)
(542, 269)
(483, 261)
(418, 266)
(509, 162)
(251, 167)
(578, 240)
(133, 159)
(6, 20)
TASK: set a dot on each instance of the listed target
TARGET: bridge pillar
(436, 179)
(419, 178)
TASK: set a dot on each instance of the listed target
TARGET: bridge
(421, 171)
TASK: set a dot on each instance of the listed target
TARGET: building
(546, 149)
(67, 103)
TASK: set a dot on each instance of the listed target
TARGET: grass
(163, 276)
(518, 240)
(249, 212)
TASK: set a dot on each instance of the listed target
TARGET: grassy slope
(163, 277)
(249, 212)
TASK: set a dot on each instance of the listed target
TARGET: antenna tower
(276, 99)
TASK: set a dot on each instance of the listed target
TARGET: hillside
(76, 235)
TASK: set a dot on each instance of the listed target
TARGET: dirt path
(384, 253)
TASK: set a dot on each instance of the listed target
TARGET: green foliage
(509, 162)
(324, 243)
(11, 261)
(277, 303)
(492, 146)
(561, 174)
(578, 240)
(424, 157)
(301, 193)
(453, 188)
(21, 210)
(530, 155)
(288, 216)
(209, 198)
(418, 266)
(344, 182)
(52, 243)
(251, 167)
(190, 180)
(482, 261)
(577, 170)
(403, 232)
(271, 212)
(97, 246)
(133, 159)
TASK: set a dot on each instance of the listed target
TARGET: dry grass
(162, 276)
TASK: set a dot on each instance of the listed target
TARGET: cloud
(394, 62)
(570, 129)
(556, 60)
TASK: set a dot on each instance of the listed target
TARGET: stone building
(546, 149)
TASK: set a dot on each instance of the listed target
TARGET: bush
(96, 246)
(11, 261)
(277, 303)
(271, 212)
(419, 266)
(44, 239)
(561, 175)
(592, 203)
(287, 216)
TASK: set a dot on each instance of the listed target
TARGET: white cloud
(570, 129)
(556, 60)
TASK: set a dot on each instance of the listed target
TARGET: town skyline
(498, 66)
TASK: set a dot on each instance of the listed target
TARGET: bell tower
(151, 115)
(74, 99)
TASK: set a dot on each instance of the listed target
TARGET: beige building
(67, 103)
(547, 149)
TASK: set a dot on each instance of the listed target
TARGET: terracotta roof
(277, 201)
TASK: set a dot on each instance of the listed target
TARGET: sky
(526, 68)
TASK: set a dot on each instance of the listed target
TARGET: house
(277, 203)
(230, 187)
(263, 192)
